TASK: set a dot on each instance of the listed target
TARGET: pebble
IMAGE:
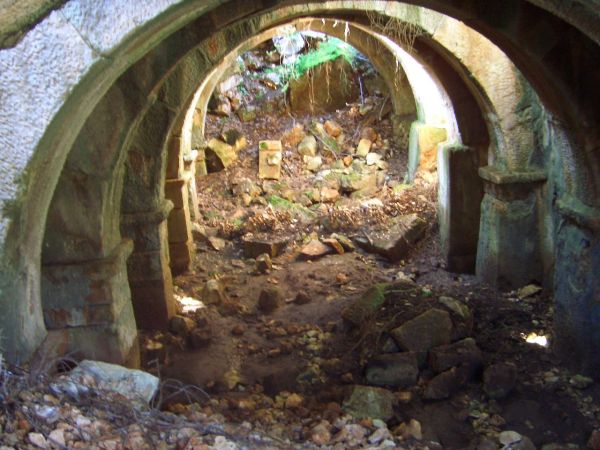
(581, 382)
(38, 440)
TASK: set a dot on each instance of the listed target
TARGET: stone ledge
(101, 265)
(499, 176)
(583, 215)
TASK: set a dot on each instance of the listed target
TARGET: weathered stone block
(269, 159)
(179, 225)
(181, 256)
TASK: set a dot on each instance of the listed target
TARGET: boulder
(335, 245)
(499, 379)
(446, 383)
(366, 402)
(181, 325)
(255, 247)
(332, 128)
(461, 316)
(136, 385)
(213, 292)
(394, 369)
(219, 155)
(373, 158)
(326, 88)
(461, 353)
(426, 331)
(329, 195)
(200, 338)
(313, 163)
(364, 147)
(308, 146)
(270, 299)
(366, 306)
(395, 243)
(315, 249)
(344, 241)
(263, 263)
(294, 136)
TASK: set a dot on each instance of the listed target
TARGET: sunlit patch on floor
(189, 304)
(537, 339)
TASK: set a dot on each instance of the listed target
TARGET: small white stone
(509, 437)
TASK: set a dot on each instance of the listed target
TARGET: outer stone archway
(516, 26)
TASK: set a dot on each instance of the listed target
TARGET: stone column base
(509, 240)
(87, 308)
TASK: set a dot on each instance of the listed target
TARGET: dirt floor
(290, 370)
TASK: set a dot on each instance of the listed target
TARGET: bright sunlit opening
(536, 339)
(189, 304)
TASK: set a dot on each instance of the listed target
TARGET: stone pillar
(423, 147)
(88, 310)
(460, 191)
(577, 285)
(181, 244)
(189, 162)
(509, 241)
(148, 267)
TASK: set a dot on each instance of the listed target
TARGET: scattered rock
(294, 136)
(217, 243)
(313, 163)
(335, 245)
(302, 298)
(528, 291)
(315, 249)
(320, 434)
(426, 331)
(369, 133)
(395, 243)
(594, 440)
(499, 379)
(373, 158)
(581, 382)
(294, 401)
(270, 299)
(370, 402)
(446, 383)
(511, 440)
(308, 146)
(263, 263)
(219, 155)
(461, 353)
(461, 315)
(38, 440)
(395, 369)
(136, 385)
(332, 128)
(345, 242)
(366, 306)
(200, 338)
(364, 146)
(253, 248)
(181, 325)
(329, 195)
(213, 292)
(410, 430)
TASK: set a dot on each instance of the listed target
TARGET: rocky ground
(318, 314)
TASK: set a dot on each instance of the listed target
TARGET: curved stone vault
(94, 102)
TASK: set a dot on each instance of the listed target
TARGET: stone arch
(560, 85)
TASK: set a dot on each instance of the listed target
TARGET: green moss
(286, 205)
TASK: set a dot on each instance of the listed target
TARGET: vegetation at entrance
(327, 50)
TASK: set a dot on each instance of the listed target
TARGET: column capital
(144, 217)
